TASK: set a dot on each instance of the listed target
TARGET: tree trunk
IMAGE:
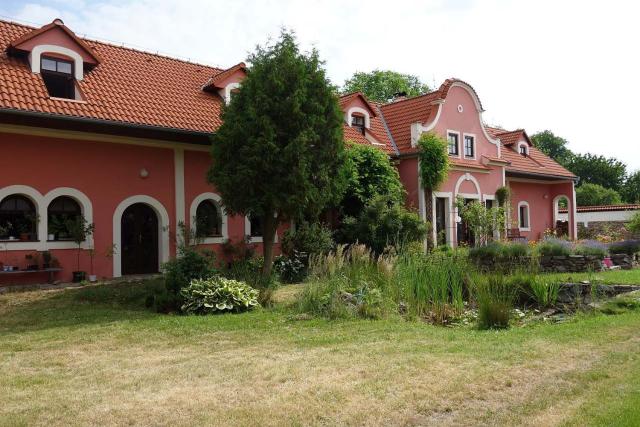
(269, 227)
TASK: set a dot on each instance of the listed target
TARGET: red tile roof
(128, 86)
(604, 208)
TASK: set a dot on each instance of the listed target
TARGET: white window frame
(453, 132)
(473, 136)
(526, 148)
(224, 227)
(254, 239)
(528, 218)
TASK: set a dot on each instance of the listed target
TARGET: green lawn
(96, 356)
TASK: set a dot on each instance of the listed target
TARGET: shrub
(515, 250)
(218, 294)
(591, 248)
(348, 282)
(629, 247)
(292, 268)
(491, 251)
(307, 238)
(495, 297)
(502, 196)
(190, 264)
(545, 291)
(554, 247)
(634, 224)
(382, 223)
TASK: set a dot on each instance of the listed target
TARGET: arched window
(61, 210)
(18, 219)
(523, 216)
(208, 220)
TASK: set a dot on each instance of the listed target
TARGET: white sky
(569, 66)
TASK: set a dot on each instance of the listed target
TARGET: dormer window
(357, 121)
(523, 149)
(58, 77)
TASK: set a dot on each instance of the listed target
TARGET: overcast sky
(571, 67)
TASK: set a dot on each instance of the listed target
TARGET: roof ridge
(410, 99)
(112, 44)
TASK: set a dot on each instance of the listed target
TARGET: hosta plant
(218, 294)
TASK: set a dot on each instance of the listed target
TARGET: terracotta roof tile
(605, 208)
(128, 86)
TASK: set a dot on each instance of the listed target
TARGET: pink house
(121, 137)
(483, 159)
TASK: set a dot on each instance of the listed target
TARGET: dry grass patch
(67, 361)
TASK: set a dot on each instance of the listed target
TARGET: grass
(95, 356)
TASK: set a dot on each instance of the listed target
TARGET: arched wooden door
(139, 233)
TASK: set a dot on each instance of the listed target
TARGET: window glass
(18, 219)
(64, 67)
(523, 150)
(48, 64)
(452, 138)
(524, 217)
(208, 220)
(256, 226)
(468, 146)
(60, 212)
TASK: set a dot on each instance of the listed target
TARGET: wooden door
(139, 228)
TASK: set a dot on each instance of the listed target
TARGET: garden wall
(551, 264)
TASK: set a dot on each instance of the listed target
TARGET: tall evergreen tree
(279, 153)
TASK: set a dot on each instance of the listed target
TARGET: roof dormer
(227, 82)
(357, 111)
(56, 53)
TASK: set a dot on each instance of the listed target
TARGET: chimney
(399, 96)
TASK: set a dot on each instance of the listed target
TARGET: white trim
(448, 214)
(255, 239)
(178, 167)
(528, 227)
(556, 208)
(217, 200)
(486, 197)
(468, 177)
(163, 230)
(228, 89)
(36, 54)
(449, 131)
(360, 110)
(574, 211)
(417, 129)
(526, 148)
(470, 196)
(85, 207)
(472, 135)
(41, 204)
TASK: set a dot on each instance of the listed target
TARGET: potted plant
(92, 277)
(46, 260)
(79, 230)
(33, 261)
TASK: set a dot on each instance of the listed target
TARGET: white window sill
(524, 229)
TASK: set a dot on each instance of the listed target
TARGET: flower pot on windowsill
(51, 237)
(24, 237)
(78, 276)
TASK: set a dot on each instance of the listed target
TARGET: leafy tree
(382, 223)
(594, 194)
(483, 222)
(382, 85)
(370, 175)
(594, 169)
(552, 145)
(433, 159)
(634, 225)
(280, 153)
(631, 189)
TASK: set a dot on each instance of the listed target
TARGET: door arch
(162, 230)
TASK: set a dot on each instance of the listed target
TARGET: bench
(514, 234)
(50, 271)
